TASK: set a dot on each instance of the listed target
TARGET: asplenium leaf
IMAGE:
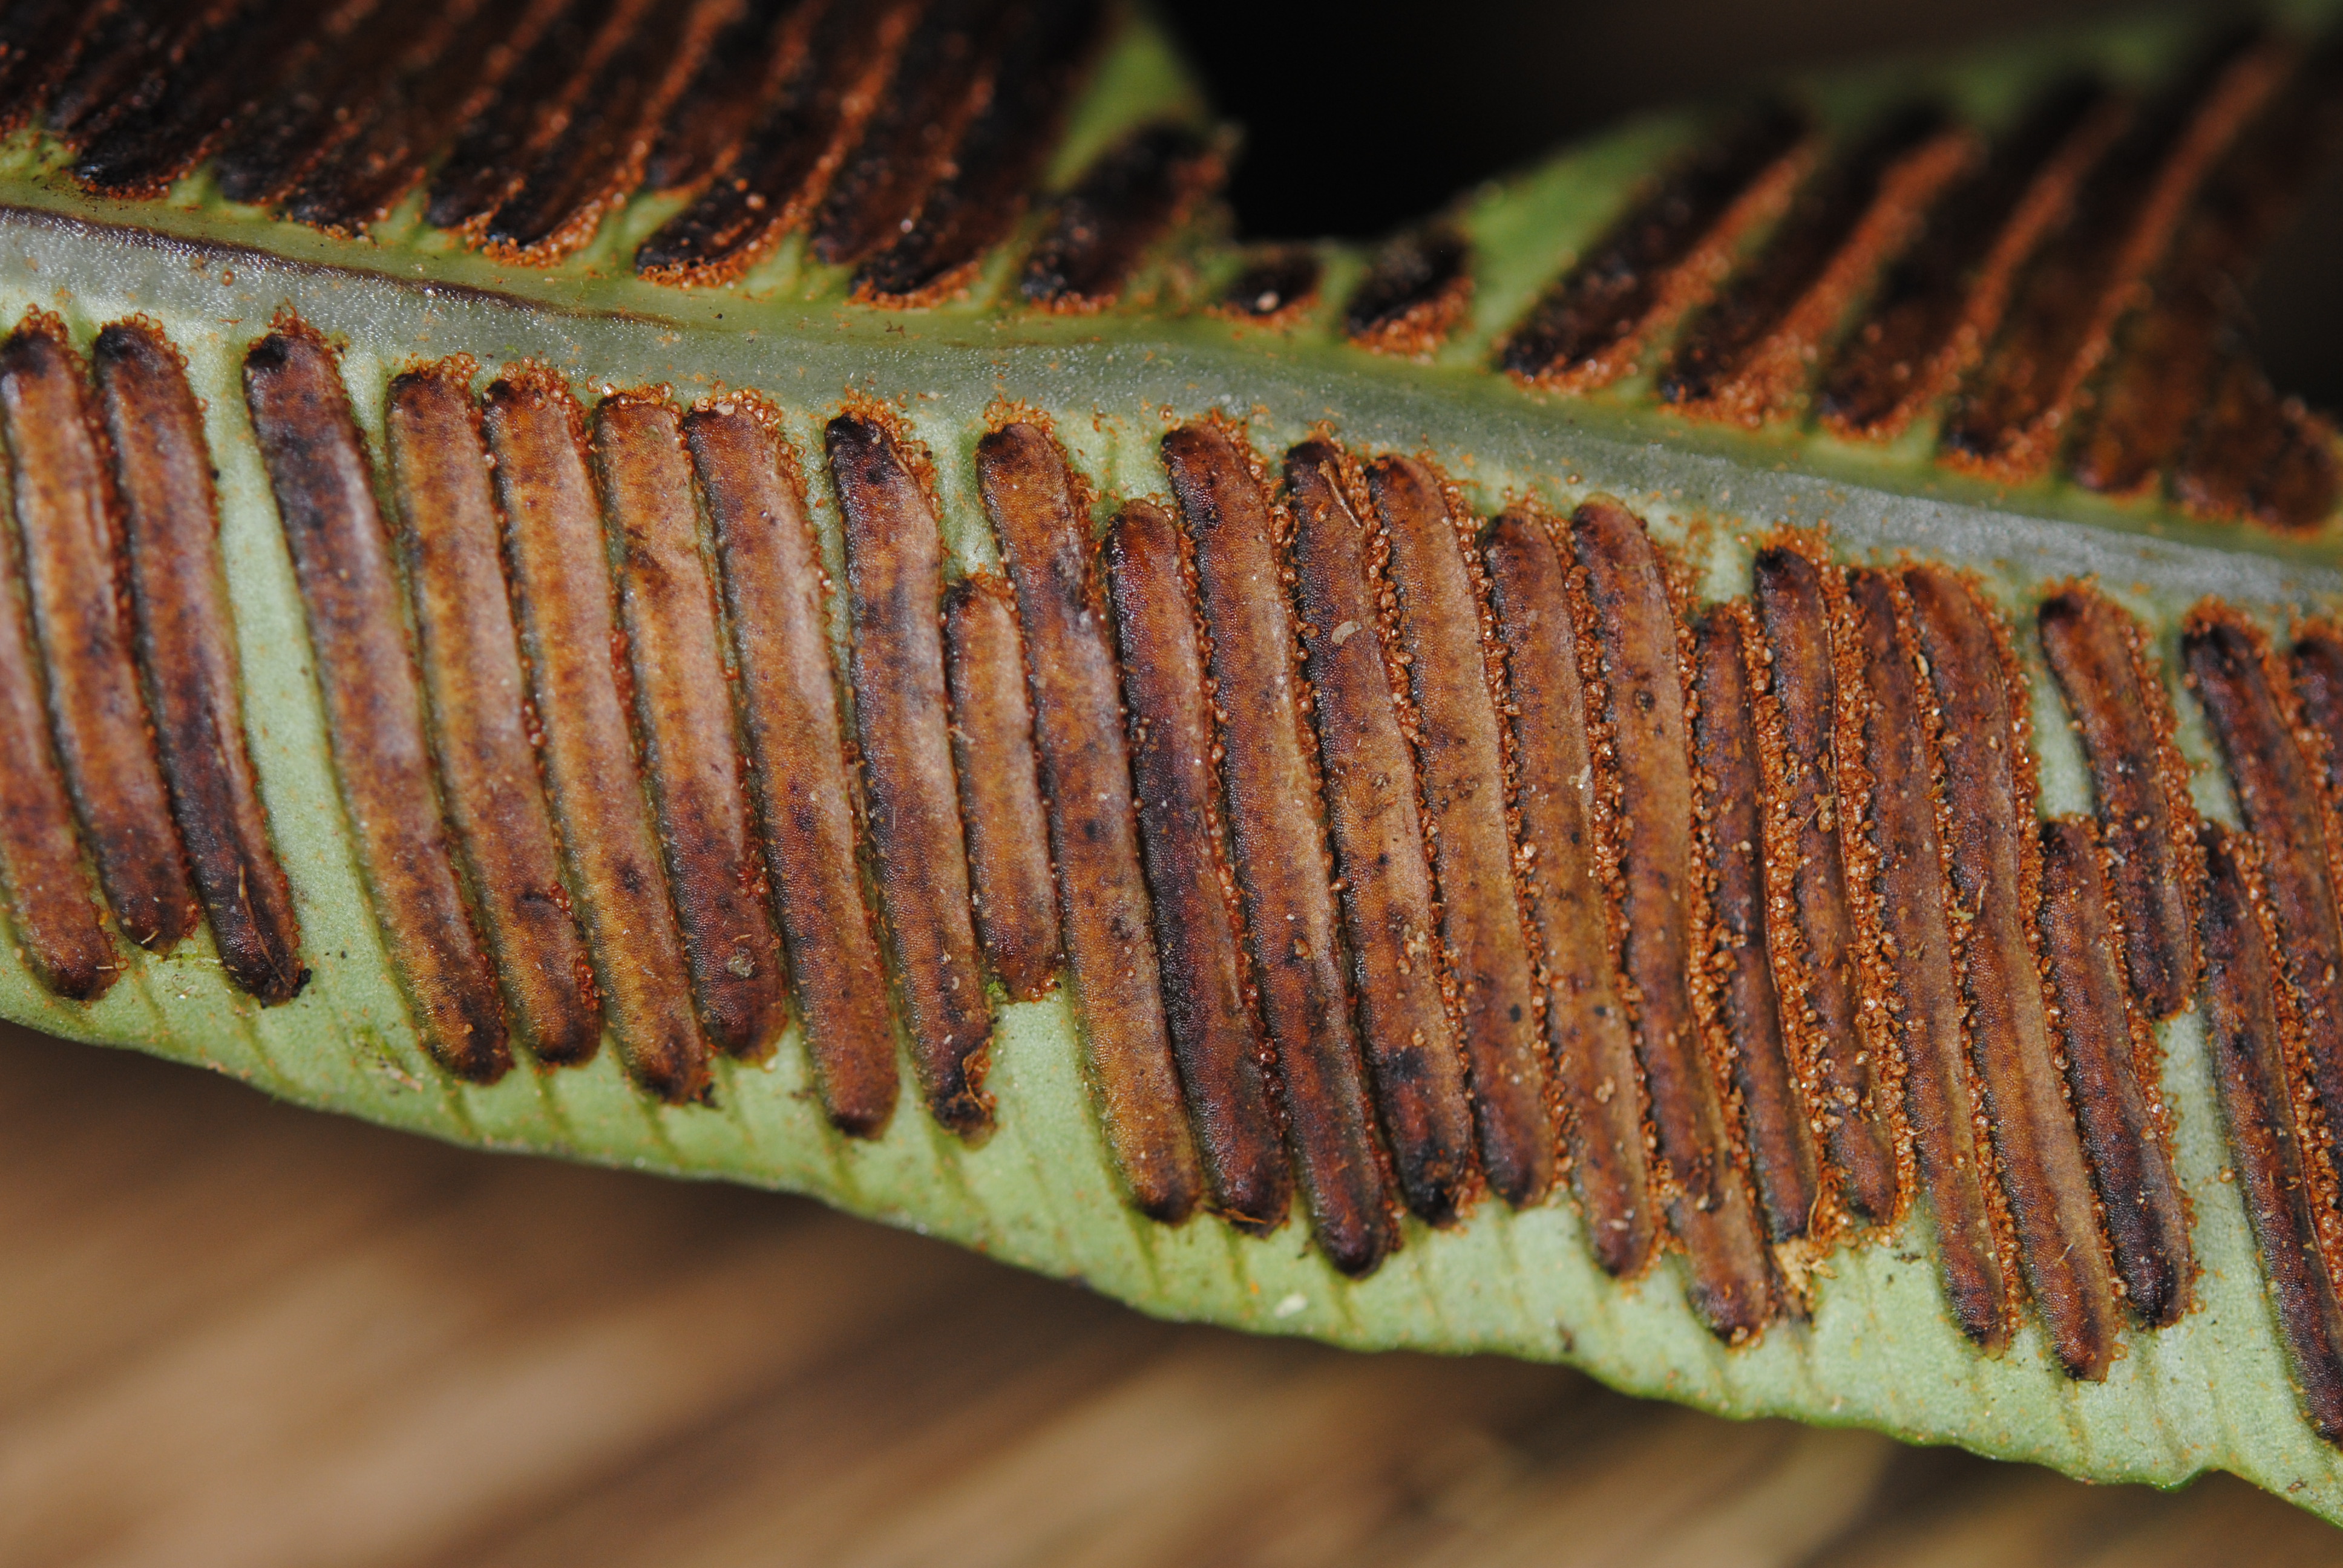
(1615, 780)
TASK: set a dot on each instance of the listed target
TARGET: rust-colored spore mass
(560, 573)
(1209, 1004)
(121, 46)
(52, 910)
(374, 702)
(718, 104)
(2137, 1194)
(1443, 632)
(186, 639)
(472, 676)
(169, 122)
(65, 507)
(894, 575)
(2146, 820)
(1925, 1009)
(2242, 1023)
(1643, 813)
(1414, 292)
(1814, 958)
(1126, 1003)
(775, 601)
(1279, 828)
(1591, 1053)
(1413, 1050)
(1732, 838)
(1134, 194)
(1662, 257)
(2259, 455)
(2249, 707)
(332, 92)
(1938, 306)
(1989, 795)
(999, 158)
(683, 718)
(484, 164)
(1000, 788)
(38, 41)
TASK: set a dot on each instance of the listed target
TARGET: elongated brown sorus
(1592, 1055)
(1442, 629)
(1208, 1003)
(1276, 285)
(2244, 1018)
(1415, 293)
(2147, 1227)
(999, 786)
(2315, 664)
(2100, 658)
(595, 160)
(1644, 822)
(1279, 828)
(328, 95)
(1813, 940)
(505, 124)
(2011, 415)
(39, 42)
(1731, 838)
(1405, 992)
(1662, 256)
(568, 628)
(719, 103)
(1988, 784)
(683, 718)
(1746, 357)
(1138, 191)
(51, 905)
(1121, 996)
(999, 158)
(894, 578)
(1914, 959)
(447, 66)
(2249, 706)
(775, 600)
(64, 507)
(2257, 456)
(785, 166)
(910, 138)
(477, 698)
(187, 657)
(374, 702)
(123, 44)
(1937, 308)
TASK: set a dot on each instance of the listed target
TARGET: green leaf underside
(1879, 1352)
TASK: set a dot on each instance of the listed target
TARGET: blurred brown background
(232, 1332)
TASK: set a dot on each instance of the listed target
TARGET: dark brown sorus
(1747, 355)
(2138, 1196)
(484, 164)
(1590, 1051)
(1414, 292)
(330, 95)
(1134, 1012)
(1923, 1001)
(683, 721)
(1000, 788)
(1731, 836)
(2242, 1023)
(1442, 631)
(186, 641)
(1128, 200)
(718, 104)
(215, 76)
(1209, 1004)
(559, 562)
(2315, 666)
(1274, 284)
(66, 515)
(1278, 827)
(2257, 456)
(476, 692)
(2249, 707)
(1815, 960)
(2124, 715)
(51, 905)
(1644, 817)
(1939, 304)
(894, 576)
(1405, 992)
(1662, 256)
(38, 40)
(120, 45)
(1988, 792)
(775, 611)
(374, 701)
